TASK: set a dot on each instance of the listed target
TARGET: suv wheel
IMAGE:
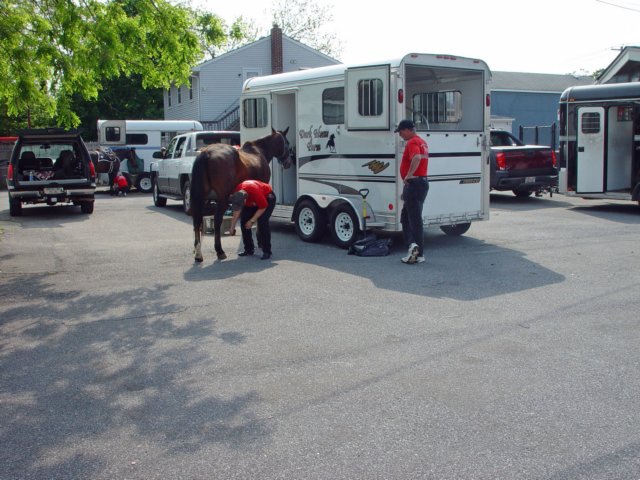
(158, 201)
(15, 207)
(186, 197)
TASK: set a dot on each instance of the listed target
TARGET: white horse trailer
(341, 121)
(600, 141)
(146, 136)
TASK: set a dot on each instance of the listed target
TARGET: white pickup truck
(171, 174)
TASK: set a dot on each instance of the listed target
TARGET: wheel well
(183, 180)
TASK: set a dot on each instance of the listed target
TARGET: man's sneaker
(413, 254)
(420, 259)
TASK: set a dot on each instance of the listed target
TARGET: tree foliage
(304, 21)
(56, 50)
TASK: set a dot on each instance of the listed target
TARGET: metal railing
(229, 119)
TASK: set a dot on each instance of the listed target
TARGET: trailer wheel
(310, 221)
(143, 183)
(344, 226)
(158, 201)
(458, 229)
(15, 207)
(186, 197)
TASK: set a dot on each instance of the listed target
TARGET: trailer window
(333, 106)
(137, 139)
(255, 112)
(438, 107)
(591, 122)
(370, 97)
(112, 134)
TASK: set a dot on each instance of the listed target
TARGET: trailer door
(591, 142)
(367, 98)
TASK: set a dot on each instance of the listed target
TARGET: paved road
(512, 353)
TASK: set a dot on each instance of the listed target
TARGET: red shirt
(257, 192)
(121, 181)
(415, 146)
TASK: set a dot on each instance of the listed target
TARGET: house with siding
(531, 100)
(214, 90)
(624, 68)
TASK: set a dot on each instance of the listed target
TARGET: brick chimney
(276, 49)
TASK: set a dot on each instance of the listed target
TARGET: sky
(541, 36)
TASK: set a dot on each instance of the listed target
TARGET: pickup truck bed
(524, 169)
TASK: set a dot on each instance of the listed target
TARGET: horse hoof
(222, 256)
(198, 259)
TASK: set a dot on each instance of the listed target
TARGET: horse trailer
(347, 156)
(600, 141)
(146, 136)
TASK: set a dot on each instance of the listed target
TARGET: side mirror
(158, 155)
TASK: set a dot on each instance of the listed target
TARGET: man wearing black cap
(413, 170)
(256, 201)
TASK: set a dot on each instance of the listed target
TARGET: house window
(190, 88)
(169, 97)
(333, 106)
(438, 107)
(591, 122)
(254, 111)
(179, 95)
(370, 97)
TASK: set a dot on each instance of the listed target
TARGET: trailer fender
(327, 202)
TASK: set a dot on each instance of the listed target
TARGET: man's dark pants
(414, 193)
(264, 231)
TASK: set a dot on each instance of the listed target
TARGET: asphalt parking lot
(511, 353)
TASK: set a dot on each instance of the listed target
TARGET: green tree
(58, 50)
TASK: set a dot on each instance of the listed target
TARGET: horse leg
(197, 244)
(217, 226)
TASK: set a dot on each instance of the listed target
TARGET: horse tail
(198, 177)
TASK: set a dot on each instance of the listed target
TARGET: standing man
(256, 201)
(413, 170)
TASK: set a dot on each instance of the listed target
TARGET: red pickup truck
(524, 169)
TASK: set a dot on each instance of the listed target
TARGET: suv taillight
(92, 169)
(501, 160)
(553, 158)
(10, 172)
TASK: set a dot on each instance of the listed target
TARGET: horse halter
(286, 152)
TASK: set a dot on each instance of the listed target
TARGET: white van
(146, 136)
(341, 122)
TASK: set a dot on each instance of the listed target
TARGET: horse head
(282, 144)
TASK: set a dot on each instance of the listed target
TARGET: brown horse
(218, 169)
(105, 161)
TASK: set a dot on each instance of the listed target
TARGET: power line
(619, 6)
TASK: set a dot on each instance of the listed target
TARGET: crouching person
(253, 202)
(120, 185)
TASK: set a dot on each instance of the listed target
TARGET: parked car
(50, 166)
(524, 169)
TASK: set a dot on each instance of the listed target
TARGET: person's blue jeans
(414, 194)
(264, 231)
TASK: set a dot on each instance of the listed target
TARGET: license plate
(530, 180)
(54, 191)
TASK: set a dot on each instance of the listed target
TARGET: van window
(137, 139)
(255, 112)
(370, 97)
(438, 107)
(333, 106)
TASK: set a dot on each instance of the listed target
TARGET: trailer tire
(186, 197)
(458, 229)
(344, 225)
(15, 206)
(310, 221)
(144, 183)
(158, 201)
